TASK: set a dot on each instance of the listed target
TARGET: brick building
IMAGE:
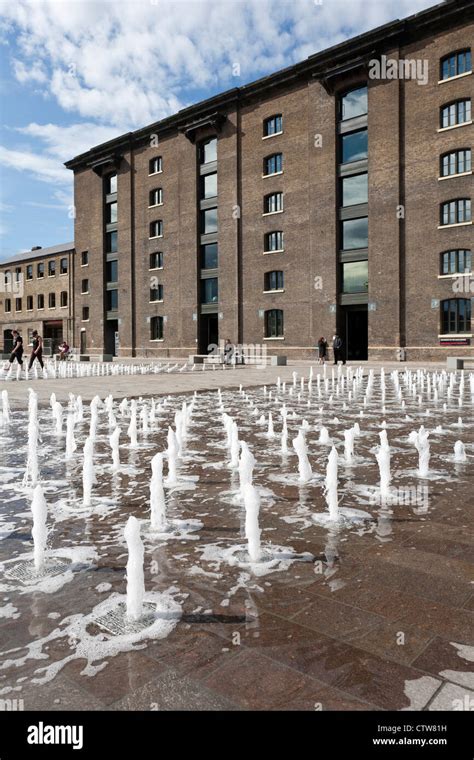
(334, 195)
(36, 293)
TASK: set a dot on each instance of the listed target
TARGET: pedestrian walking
(37, 352)
(17, 352)
(322, 350)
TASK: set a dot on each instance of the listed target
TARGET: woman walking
(37, 352)
(322, 350)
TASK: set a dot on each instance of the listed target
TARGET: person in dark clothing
(17, 352)
(228, 352)
(37, 352)
(338, 349)
(322, 350)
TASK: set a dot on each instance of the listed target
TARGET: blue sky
(74, 73)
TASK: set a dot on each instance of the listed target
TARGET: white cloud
(42, 167)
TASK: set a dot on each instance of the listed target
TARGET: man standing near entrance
(37, 352)
(17, 352)
(338, 349)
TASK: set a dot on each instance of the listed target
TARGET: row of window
(63, 301)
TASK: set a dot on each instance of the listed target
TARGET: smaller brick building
(36, 293)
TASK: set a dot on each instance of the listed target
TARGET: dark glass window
(456, 63)
(111, 184)
(18, 304)
(273, 203)
(208, 151)
(456, 212)
(355, 233)
(458, 112)
(274, 323)
(18, 274)
(354, 146)
(274, 241)
(456, 315)
(111, 300)
(40, 270)
(458, 261)
(156, 165)
(209, 221)
(156, 229)
(209, 186)
(111, 271)
(111, 213)
(156, 196)
(29, 303)
(273, 164)
(85, 286)
(85, 258)
(156, 260)
(156, 293)
(156, 328)
(274, 280)
(209, 256)
(63, 266)
(63, 298)
(456, 162)
(8, 305)
(85, 313)
(29, 272)
(355, 190)
(273, 125)
(52, 300)
(40, 301)
(353, 103)
(8, 277)
(51, 268)
(209, 290)
(355, 277)
(111, 240)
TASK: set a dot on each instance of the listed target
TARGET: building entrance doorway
(208, 333)
(111, 339)
(7, 342)
(357, 333)
(83, 343)
(53, 336)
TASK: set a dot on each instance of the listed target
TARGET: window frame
(454, 56)
(268, 121)
(267, 159)
(467, 211)
(279, 324)
(279, 281)
(155, 253)
(454, 253)
(158, 320)
(268, 237)
(151, 163)
(158, 222)
(456, 152)
(467, 102)
(445, 320)
(277, 194)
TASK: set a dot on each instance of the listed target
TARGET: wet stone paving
(359, 592)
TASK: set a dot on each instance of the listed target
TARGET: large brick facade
(401, 309)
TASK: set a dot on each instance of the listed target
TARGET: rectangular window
(156, 328)
(273, 125)
(355, 277)
(456, 315)
(273, 164)
(273, 203)
(85, 286)
(209, 256)
(40, 270)
(155, 165)
(355, 190)
(455, 64)
(63, 298)
(273, 281)
(156, 293)
(111, 213)
(456, 113)
(354, 146)
(29, 272)
(209, 221)
(156, 260)
(156, 229)
(355, 233)
(208, 151)
(8, 305)
(456, 212)
(52, 300)
(18, 304)
(274, 241)
(111, 184)
(111, 300)
(457, 162)
(85, 258)
(209, 290)
(51, 268)
(209, 186)
(63, 266)
(85, 313)
(274, 323)
(353, 103)
(156, 197)
(40, 301)
(29, 303)
(111, 271)
(18, 274)
(111, 241)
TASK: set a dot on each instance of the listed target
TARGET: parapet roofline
(315, 65)
(40, 253)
